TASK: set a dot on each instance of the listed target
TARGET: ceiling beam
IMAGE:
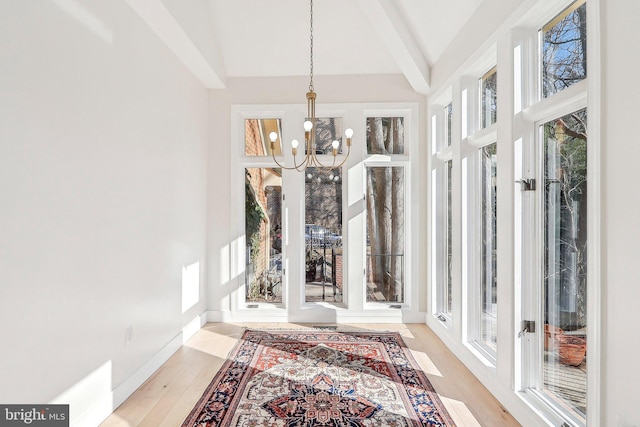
(206, 67)
(388, 22)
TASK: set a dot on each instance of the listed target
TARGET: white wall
(103, 148)
(620, 211)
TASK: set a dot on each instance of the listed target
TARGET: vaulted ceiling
(221, 39)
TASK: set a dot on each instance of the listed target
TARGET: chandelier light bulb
(335, 145)
(294, 143)
(348, 133)
(308, 125)
(273, 136)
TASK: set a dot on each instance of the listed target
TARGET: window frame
(538, 110)
(293, 306)
(404, 160)
(517, 47)
(443, 130)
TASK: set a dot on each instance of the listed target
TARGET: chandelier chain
(311, 46)
(310, 159)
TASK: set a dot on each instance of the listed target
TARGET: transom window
(564, 49)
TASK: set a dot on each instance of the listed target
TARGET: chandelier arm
(303, 163)
(345, 158)
(283, 166)
(333, 165)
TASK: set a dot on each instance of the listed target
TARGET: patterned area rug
(306, 378)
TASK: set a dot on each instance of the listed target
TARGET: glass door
(564, 251)
(323, 235)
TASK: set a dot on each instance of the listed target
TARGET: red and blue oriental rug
(301, 378)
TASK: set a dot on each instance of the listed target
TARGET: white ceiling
(221, 39)
(271, 37)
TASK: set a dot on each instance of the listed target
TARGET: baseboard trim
(264, 316)
(107, 401)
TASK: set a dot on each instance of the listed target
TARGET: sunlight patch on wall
(92, 393)
(223, 266)
(238, 247)
(191, 329)
(355, 182)
(190, 285)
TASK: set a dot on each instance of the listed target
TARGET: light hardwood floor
(166, 398)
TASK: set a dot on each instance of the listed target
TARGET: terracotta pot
(571, 350)
(551, 334)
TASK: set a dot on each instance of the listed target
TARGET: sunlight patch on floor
(115, 421)
(426, 364)
(212, 343)
(460, 412)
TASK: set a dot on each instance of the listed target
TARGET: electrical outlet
(128, 335)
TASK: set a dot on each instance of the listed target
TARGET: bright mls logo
(34, 415)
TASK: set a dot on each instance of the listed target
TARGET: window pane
(488, 281)
(448, 113)
(323, 235)
(565, 260)
(256, 137)
(385, 135)
(449, 241)
(489, 98)
(385, 234)
(564, 49)
(328, 129)
(263, 270)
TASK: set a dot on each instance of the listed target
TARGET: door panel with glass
(323, 235)
(564, 287)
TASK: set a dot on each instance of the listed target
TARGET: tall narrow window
(448, 285)
(564, 49)
(323, 235)
(489, 98)
(385, 234)
(488, 253)
(442, 218)
(565, 260)
(385, 204)
(263, 228)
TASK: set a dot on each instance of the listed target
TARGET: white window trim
(536, 113)
(354, 307)
(405, 160)
(517, 40)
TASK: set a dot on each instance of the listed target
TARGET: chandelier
(310, 159)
